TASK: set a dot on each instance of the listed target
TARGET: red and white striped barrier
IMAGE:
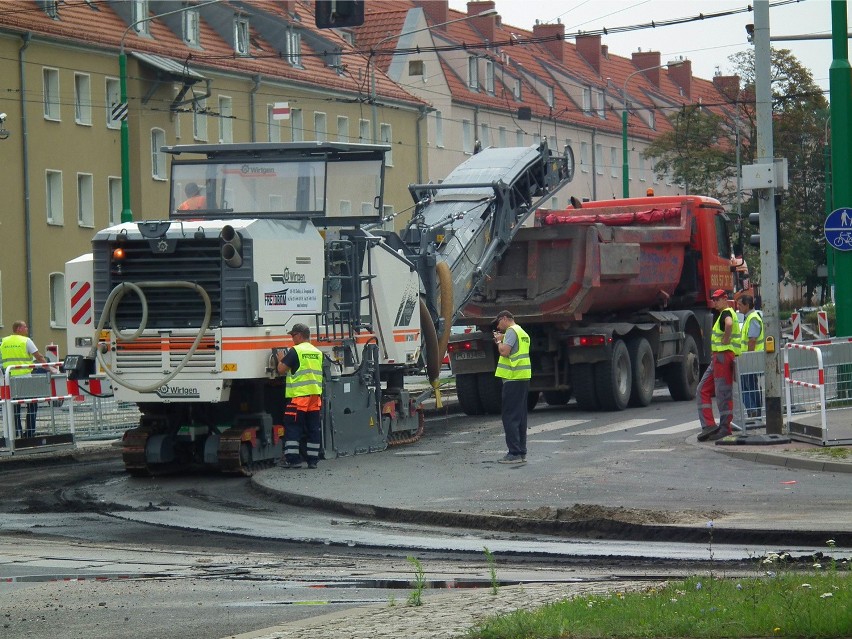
(790, 382)
(822, 320)
(797, 326)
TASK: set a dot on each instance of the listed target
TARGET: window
(467, 137)
(140, 13)
(652, 119)
(600, 104)
(85, 200)
(364, 130)
(501, 136)
(158, 158)
(273, 129)
(549, 97)
(584, 157)
(599, 159)
(489, 76)
(484, 135)
(439, 129)
(342, 128)
(473, 72)
(519, 138)
(190, 27)
(115, 206)
(415, 67)
(297, 125)
(640, 167)
(53, 201)
(51, 94)
(226, 120)
(51, 8)
(294, 47)
(387, 138)
(199, 121)
(82, 98)
(587, 99)
(113, 97)
(613, 161)
(516, 89)
(177, 125)
(57, 300)
(320, 126)
(241, 36)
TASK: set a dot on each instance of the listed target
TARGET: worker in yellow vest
(718, 379)
(16, 349)
(303, 366)
(752, 339)
(515, 369)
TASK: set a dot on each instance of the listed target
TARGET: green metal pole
(625, 173)
(840, 85)
(126, 214)
(829, 207)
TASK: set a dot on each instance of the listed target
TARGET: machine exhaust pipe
(231, 247)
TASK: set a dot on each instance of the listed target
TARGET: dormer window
(549, 97)
(191, 27)
(241, 36)
(51, 8)
(294, 47)
(587, 99)
(600, 104)
(516, 89)
(473, 73)
(140, 15)
(652, 119)
(489, 76)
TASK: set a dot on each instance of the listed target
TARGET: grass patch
(833, 452)
(795, 604)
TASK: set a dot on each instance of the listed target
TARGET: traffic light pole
(766, 206)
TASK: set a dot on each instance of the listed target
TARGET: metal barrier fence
(802, 401)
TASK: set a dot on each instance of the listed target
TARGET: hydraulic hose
(109, 311)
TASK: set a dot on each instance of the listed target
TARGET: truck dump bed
(587, 261)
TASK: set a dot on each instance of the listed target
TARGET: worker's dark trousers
(32, 411)
(297, 424)
(515, 415)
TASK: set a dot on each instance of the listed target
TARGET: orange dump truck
(613, 295)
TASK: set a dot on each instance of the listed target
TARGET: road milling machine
(184, 315)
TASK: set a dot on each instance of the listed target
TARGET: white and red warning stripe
(822, 320)
(796, 319)
(81, 303)
(820, 369)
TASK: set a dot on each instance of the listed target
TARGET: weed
(416, 596)
(492, 569)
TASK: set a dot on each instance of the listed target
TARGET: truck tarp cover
(651, 216)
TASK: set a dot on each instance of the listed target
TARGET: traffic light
(754, 218)
(334, 14)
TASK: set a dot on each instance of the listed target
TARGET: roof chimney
(727, 85)
(648, 60)
(437, 11)
(682, 75)
(589, 46)
(556, 47)
(487, 25)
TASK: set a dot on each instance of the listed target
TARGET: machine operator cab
(332, 183)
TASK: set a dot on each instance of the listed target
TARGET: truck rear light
(118, 254)
(462, 346)
(589, 340)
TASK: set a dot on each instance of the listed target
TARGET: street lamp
(126, 213)
(375, 113)
(625, 165)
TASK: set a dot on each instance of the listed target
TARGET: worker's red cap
(718, 293)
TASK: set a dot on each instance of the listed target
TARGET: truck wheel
(467, 392)
(557, 397)
(583, 383)
(490, 393)
(532, 400)
(682, 377)
(644, 371)
(614, 379)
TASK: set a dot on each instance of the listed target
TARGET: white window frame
(502, 140)
(599, 159)
(320, 126)
(467, 137)
(473, 73)
(640, 167)
(140, 12)
(159, 170)
(241, 36)
(342, 128)
(114, 197)
(584, 157)
(519, 137)
(386, 137)
(83, 99)
(439, 129)
(294, 47)
(613, 160)
(56, 284)
(364, 131)
(112, 91)
(85, 200)
(601, 104)
(50, 87)
(199, 121)
(273, 129)
(297, 125)
(416, 68)
(652, 119)
(550, 96)
(191, 27)
(226, 121)
(484, 135)
(587, 100)
(53, 197)
(489, 76)
(517, 89)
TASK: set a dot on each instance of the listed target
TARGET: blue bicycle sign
(838, 229)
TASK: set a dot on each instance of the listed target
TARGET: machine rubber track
(235, 454)
(408, 437)
(133, 452)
